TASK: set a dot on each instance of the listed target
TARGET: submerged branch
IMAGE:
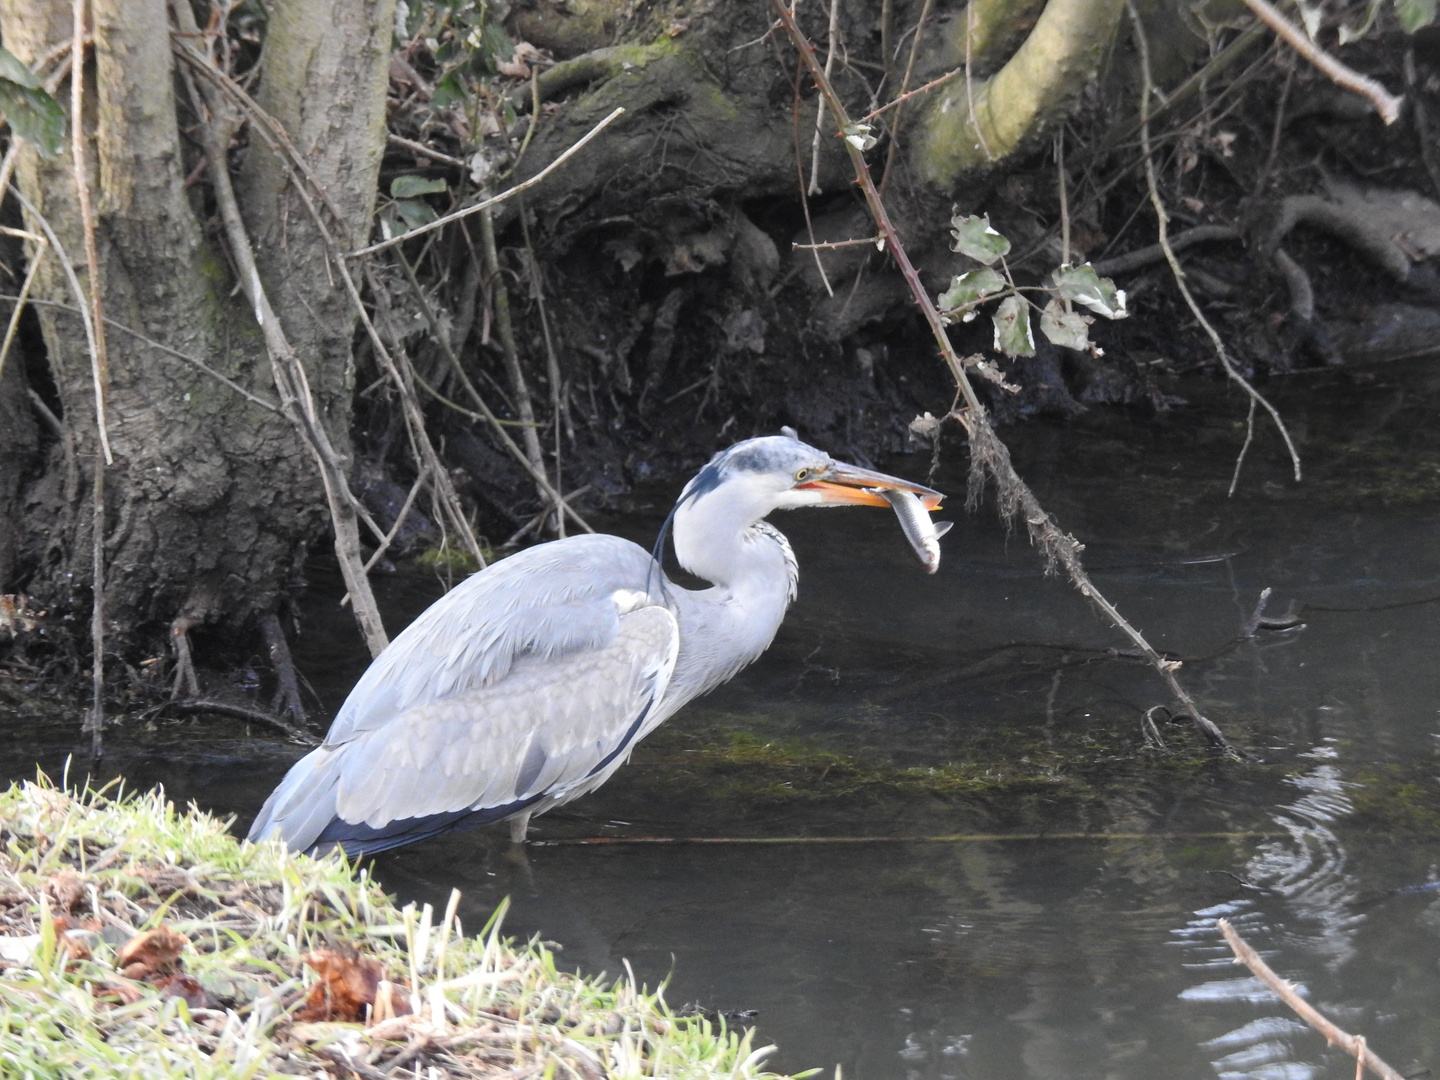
(1354, 1045)
(202, 706)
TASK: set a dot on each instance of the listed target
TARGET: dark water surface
(1078, 939)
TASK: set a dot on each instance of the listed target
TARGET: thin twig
(485, 412)
(7, 165)
(82, 305)
(195, 362)
(903, 96)
(494, 200)
(1257, 617)
(1386, 104)
(559, 414)
(898, 101)
(67, 445)
(399, 520)
(800, 177)
(100, 376)
(1354, 1045)
(303, 182)
(509, 351)
(971, 14)
(1064, 187)
(876, 241)
(1163, 223)
(537, 520)
(425, 151)
(988, 453)
(389, 537)
(814, 186)
(1277, 129)
(36, 258)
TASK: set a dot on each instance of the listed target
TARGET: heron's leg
(519, 825)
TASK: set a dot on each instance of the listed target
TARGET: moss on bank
(136, 940)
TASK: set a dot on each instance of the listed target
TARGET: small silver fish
(922, 532)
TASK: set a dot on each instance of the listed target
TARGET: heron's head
(745, 483)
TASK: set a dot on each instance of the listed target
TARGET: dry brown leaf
(65, 890)
(122, 992)
(155, 952)
(347, 986)
(183, 986)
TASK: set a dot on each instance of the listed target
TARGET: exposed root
(185, 680)
(1348, 218)
(200, 706)
(286, 702)
(1134, 260)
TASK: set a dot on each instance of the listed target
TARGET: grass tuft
(99, 891)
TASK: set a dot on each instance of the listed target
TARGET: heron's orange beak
(846, 485)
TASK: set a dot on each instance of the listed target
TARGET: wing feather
(565, 715)
(547, 601)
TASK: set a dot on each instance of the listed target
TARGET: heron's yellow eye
(803, 474)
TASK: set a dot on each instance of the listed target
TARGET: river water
(944, 843)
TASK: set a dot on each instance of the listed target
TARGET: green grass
(82, 874)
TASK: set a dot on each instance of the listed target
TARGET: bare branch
(1354, 1045)
(988, 453)
(291, 383)
(494, 200)
(1386, 103)
(269, 129)
(193, 361)
(100, 376)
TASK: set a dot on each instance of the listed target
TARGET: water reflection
(1306, 916)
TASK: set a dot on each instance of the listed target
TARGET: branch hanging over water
(988, 455)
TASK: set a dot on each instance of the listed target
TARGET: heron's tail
(298, 811)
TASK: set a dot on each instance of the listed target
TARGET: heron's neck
(725, 628)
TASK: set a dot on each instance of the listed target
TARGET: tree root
(185, 679)
(286, 703)
(1146, 256)
(1346, 219)
(583, 70)
(196, 706)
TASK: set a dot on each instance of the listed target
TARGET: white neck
(754, 574)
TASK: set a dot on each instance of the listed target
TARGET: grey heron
(528, 685)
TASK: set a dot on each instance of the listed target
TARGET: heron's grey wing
(549, 726)
(549, 600)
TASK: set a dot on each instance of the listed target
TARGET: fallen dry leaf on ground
(347, 986)
(153, 953)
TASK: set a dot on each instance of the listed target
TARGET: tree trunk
(212, 500)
